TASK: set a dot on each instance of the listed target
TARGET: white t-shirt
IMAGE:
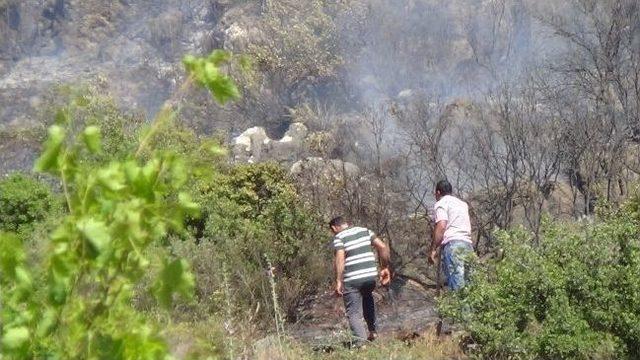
(456, 213)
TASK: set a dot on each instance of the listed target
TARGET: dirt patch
(405, 307)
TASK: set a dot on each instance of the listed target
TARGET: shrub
(575, 295)
(251, 213)
(302, 41)
(87, 106)
(24, 201)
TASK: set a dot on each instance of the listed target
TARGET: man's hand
(385, 277)
(339, 288)
(433, 256)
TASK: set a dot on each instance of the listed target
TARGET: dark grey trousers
(359, 304)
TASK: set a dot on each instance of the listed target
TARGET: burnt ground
(404, 309)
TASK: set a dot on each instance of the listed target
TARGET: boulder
(254, 145)
(318, 169)
(249, 145)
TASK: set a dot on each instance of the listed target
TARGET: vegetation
(252, 215)
(428, 346)
(303, 42)
(572, 296)
(139, 239)
(117, 251)
(115, 210)
(24, 201)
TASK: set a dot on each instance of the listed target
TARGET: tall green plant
(116, 209)
(576, 295)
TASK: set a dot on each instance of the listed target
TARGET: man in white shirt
(452, 233)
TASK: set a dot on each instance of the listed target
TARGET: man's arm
(339, 266)
(438, 236)
(384, 256)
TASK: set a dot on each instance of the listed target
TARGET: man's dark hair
(444, 187)
(337, 221)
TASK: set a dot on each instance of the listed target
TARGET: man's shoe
(443, 328)
(372, 336)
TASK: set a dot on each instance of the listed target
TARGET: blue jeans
(455, 264)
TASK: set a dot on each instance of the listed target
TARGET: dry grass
(402, 346)
(207, 340)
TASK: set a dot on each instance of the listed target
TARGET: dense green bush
(576, 295)
(24, 201)
(251, 213)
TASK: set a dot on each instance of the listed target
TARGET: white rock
(255, 145)
(249, 137)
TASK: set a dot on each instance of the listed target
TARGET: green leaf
(189, 61)
(224, 89)
(58, 291)
(206, 73)
(159, 230)
(15, 337)
(132, 172)
(52, 149)
(178, 172)
(219, 57)
(187, 204)
(46, 324)
(210, 72)
(112, 178)
(174, 278)
(11, 255)
(96, 232)
(91, 137)
(150, 171)
(23, 278)
(134, 223)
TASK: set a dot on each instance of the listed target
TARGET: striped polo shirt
(360, 262)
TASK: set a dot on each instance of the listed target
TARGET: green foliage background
(252, 213)
(573, 296)
(24, 201)
(75, 300)
(143, 215)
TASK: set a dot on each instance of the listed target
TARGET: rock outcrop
(254, 145)
(292, 150)
(317, 169)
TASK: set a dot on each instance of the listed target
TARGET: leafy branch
(117, 208)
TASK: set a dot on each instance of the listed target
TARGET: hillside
(175, 163)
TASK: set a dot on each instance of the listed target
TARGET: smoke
(393, 51)
(452, 49)
(436, 62)
(134, 46)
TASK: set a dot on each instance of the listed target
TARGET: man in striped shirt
(356, 273)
